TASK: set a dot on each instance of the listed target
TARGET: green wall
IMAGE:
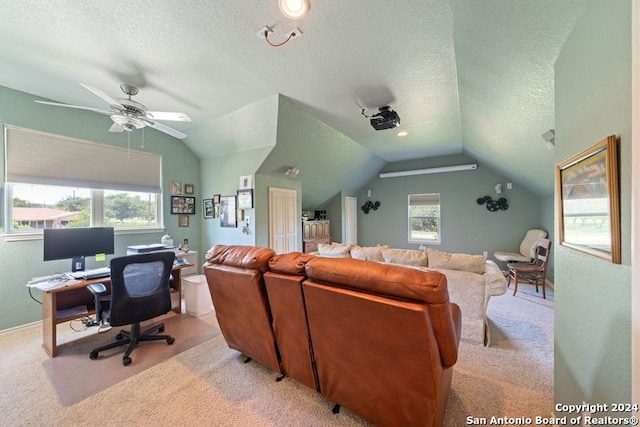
(22, 260)
(466, 226)
(328, 160)
(222, 176)
(593, 310)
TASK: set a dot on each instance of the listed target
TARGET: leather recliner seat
(378, 339)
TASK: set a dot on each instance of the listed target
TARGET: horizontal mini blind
(35, 157)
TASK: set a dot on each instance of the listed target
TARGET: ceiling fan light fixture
(128, 123)
(293, 9)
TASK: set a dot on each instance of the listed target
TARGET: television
(76, 243)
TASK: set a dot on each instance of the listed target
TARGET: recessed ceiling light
(293, 9)
(403, 133)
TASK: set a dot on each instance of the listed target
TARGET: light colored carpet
(75, 377)
(210, 385)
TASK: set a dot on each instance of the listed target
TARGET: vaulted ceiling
(465, 76)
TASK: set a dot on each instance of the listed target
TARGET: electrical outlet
(263, 31)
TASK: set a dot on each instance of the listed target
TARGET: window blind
(424, 199)
(35, 157)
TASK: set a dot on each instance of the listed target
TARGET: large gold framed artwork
(589, 201)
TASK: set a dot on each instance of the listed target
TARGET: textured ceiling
(473, 76)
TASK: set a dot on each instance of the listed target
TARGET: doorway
(283, 220)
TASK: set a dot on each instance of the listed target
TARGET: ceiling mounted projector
(385, 119)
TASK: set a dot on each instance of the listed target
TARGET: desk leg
(177, 283)
(49, 323)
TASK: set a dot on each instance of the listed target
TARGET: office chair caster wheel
(93, 355)
(126, 360)
(171, 340)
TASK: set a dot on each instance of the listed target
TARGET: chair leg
(132, 338)
(515, 282)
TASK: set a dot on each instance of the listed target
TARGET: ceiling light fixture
(293, 9)
(128, 123)
(403, 133)
(443, 169)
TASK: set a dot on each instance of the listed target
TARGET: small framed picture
(183, 220)
(228, 211)
(207, 208)
(189, 189)
(239, 215)
(246, 182)
(183, 205)
(175, 188)
(245, 199)
(216, 199)
(216, 210)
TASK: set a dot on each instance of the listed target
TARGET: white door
(283, 220)
(351, 220)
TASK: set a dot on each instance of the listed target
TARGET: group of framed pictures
(183, 203)
(230, 209)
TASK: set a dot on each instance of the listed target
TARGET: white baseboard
(21, 328)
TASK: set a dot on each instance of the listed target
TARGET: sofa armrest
(496, 283)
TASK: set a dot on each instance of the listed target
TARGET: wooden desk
(52, 314)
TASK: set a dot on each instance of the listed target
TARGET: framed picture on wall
(175, 188)
(589, 201)
(183, 220)
(207, 208)
(228, 211)
(183, 205)
(246, 182)
(245, 199)
(216, 199)
(189, 189)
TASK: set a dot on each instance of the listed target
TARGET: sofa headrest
(382, 279)
(291, 263)
(241, 256)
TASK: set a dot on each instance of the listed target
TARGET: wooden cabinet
(314, 233)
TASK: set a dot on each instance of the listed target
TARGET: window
(424, 218)
(36, 207)
(54, 181)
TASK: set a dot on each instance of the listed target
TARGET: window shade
(42, 158)
(424, 199)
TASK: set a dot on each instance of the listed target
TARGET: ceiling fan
(130, 115)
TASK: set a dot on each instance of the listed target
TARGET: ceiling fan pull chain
(142, 145)
(129, 144)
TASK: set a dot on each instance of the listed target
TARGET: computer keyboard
(95, 273)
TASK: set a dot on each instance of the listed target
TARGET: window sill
(37, 235)
(425, 242)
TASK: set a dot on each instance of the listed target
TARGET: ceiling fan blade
(166, 129)
(167, 115)
(109, 100)
(58, 104)
(116, 128)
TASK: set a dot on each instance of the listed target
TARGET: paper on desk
(53, 284)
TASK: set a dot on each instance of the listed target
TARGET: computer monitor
(76, 243)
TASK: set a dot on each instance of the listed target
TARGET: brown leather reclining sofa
(378, 339)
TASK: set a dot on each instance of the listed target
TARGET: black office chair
(139, 291)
